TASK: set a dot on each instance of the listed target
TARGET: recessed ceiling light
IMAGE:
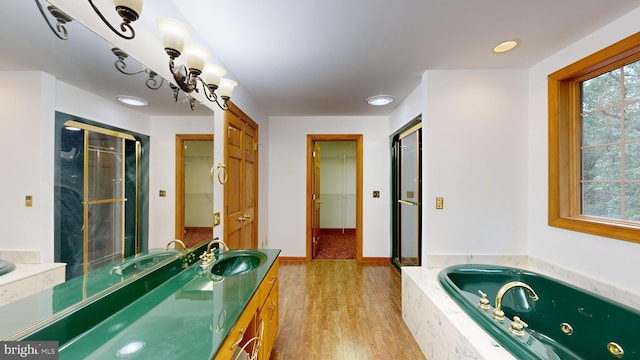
(380, 100)
(505, 46)
(132, 100)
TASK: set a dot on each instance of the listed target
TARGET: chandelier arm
(124, 27)
(176, 91)
(208, 93)
(152, 82)
(60, 30)
(184, 78)
(224, 105)
(122, 66)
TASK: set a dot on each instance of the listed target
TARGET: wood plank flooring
(341, 310)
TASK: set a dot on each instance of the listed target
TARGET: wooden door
(241, 198)
(315, 223)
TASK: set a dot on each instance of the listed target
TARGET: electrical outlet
(439, 203)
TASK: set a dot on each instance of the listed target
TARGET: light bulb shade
(135, 5)
(196, 55)
(226, 87)
(174, 33)
(212, 74)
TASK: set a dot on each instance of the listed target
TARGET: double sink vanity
(163, 303)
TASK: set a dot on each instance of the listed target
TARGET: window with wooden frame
(594, 143)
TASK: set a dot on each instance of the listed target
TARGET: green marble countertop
(186, 317)
(49, 303)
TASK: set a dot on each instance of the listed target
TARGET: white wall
(610, 260)
(29, 101)
(287, 180)
(474, 155)
(162, 164)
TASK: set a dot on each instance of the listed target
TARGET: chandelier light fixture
(61, 20)
(210, 76)
(129, 11)
(120, 64)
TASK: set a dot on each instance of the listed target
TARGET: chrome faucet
(209, 255)
(166, 247)
(498, 314)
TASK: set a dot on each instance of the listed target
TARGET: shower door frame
(415, 126)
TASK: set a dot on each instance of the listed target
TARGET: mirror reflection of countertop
(41, 305)
(188, 316)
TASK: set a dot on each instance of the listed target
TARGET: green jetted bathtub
(6, 267)
(566, 322)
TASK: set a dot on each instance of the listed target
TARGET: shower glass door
(104, 210)
(97, 197)
(407, 176)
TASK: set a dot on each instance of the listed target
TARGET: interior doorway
(334, 197)
(194, 188)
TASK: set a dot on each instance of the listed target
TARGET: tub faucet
(209, 255)
(498, 314)
(166, 247)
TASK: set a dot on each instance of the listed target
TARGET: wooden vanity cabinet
(240, 332)
(268, 312)
(263, 307)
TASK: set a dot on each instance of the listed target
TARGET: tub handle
(518, 326)
(484, 302)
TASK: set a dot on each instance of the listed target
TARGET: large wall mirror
(41, 75)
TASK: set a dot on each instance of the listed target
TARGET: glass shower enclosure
(407, 195)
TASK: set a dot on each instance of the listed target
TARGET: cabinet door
(269, 317)
(241, 332)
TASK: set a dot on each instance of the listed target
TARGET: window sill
(598, 226)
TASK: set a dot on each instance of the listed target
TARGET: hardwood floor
(341, 310)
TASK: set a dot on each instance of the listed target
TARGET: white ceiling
(296, 57)
(299, 57)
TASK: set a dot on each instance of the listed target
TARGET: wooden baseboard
(375, 259)
(364, 259)
(292, 258)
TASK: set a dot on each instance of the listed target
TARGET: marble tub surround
(29, 276)
(441, 328)
(605, 289)
(21, 256)
(444, 331)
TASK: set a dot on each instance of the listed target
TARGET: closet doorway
(194, 188)
(334, 197)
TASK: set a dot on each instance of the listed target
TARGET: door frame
(311, 140)
(180, 140)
